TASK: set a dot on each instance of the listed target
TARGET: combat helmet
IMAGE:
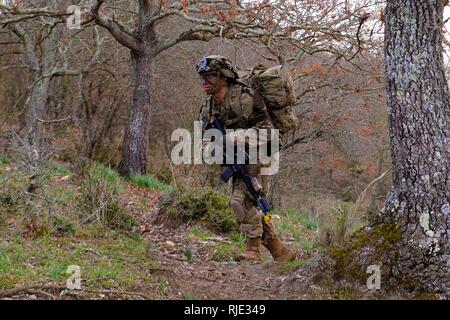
(215, 64)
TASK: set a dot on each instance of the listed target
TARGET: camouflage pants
(250, 219)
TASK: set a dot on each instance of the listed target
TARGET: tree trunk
(378, 190)
(39, 92)
(419, 120)
(36, 108)
(134, 147)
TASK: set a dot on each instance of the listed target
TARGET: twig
(55, 120)
(35, 289)
(119, 292)
(42, 293)
(363, 194)
(5, 179)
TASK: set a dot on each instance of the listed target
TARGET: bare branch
(124, 36)
(197, 33)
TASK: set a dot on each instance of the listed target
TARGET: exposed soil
(203, 278)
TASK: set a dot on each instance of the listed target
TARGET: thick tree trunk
(419, 119)
(134, 147)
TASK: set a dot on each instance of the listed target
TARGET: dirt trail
(203, 278)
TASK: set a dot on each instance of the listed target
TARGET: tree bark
(419, 120)
(134, 146)
(35, 105)
(39, 89)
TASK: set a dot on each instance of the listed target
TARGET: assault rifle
(240, 171)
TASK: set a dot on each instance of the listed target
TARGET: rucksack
(276, 87)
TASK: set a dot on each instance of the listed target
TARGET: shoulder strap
(258, 98)
(235, 98)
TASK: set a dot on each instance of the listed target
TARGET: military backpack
(275, 87)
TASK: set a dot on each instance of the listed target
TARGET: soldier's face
(212, 83)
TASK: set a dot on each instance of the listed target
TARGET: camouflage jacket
(240, 110)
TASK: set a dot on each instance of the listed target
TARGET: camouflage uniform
(243, 109)
(239, 111)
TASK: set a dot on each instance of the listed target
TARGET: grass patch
(113, 262)
(238, 239)
(150, 182)
(59, 169)
(341, 222)
(311, 224)
(99, 201)
(228, 251)
(198, 233)
(225, 251)
(296, 226)
(189, 255)
(189, 296)
(109, 174)
(5, 159)
(289, 266)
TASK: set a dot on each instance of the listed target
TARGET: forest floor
(43, 231)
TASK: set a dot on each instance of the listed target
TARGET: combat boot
(279, 251)
(253, 251)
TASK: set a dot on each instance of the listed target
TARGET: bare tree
(41, 34)
(203, 20)
(145, 28)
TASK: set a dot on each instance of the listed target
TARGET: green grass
(189, 254)
(111, 255)
(224, 251)
(54, 170)
(5, 159)
(114, 262)
(109, 174)
(296, 225)
(311, 224)
(297, 218)
(61, 196)
(238, 239)
(228, 251)
(289, 266)
(189, 296)
(198, 233)
(150, 182)
(59, 169)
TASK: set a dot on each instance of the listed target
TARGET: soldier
(234, 105)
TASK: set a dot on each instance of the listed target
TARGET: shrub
(164, 175)
(99, 192)
(206, 207)
(342, 222)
